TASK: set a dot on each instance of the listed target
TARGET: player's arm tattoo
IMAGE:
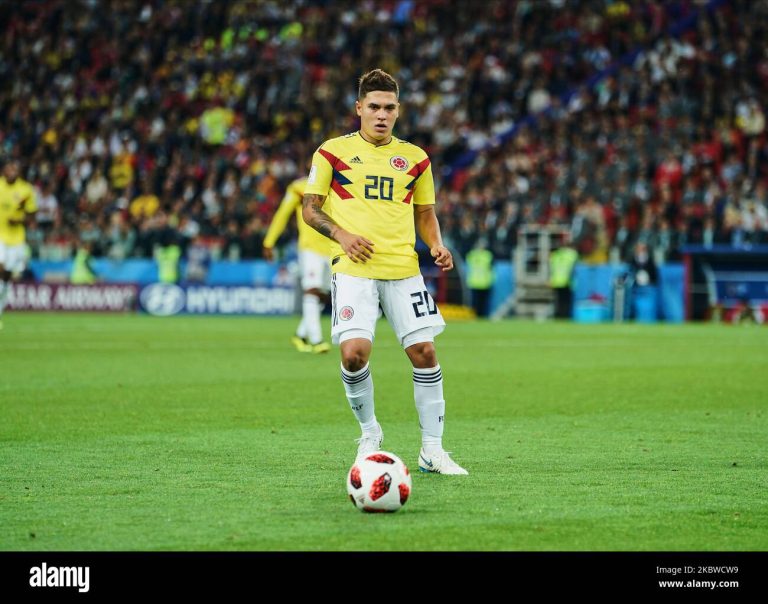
(312, 212)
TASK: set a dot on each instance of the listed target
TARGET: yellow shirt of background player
(15, 200)
(309, 238)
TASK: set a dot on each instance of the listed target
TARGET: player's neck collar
(389, 142)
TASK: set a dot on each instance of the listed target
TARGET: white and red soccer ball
(379, 482)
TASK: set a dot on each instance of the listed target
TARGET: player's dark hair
(377, 79)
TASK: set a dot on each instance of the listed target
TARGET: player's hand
(357, 248)
(443, 257)
(268, 254)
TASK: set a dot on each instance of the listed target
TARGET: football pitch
(140, 433)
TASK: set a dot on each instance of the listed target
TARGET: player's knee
(423, 355)
(353, 358)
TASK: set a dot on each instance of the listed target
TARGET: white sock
(359, 388)
(4, 288)
(430, 404)
(311, 318)
(301, 330)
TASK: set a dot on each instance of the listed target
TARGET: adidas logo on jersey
(355, 160)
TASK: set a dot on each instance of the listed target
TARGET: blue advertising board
(163, 299)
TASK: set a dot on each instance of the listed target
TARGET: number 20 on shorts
(423, 304)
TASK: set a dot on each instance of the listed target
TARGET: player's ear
(359, 108)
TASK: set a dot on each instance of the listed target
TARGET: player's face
(378, 111)
(11, 171)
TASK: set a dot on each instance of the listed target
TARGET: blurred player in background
(378, 188)
(17, 207)
(314, 265)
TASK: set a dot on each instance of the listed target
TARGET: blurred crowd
(144, 122)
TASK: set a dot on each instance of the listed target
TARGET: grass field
(139, 433)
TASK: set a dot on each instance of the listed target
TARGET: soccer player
(366, 191)
(314, 264)
(17, 206)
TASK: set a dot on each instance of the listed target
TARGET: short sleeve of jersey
(320, 174)
(424, 188)
(295, 192)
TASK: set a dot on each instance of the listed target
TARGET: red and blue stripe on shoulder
(416, 171)
(339, 180)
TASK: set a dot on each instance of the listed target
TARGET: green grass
(140, 433)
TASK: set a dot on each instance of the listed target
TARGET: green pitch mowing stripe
(138, 433)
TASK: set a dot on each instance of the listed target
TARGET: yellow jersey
(309, 238)
(371, 192)
(16, 199)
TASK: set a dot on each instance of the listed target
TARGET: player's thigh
(410, 308)
(355, 305)
(315, 271)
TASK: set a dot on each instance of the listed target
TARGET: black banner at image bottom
(95, 575)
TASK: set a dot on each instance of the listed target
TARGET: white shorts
(315, 271)
(406, 303)
(13, 257)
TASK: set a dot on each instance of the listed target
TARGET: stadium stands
(629, 121)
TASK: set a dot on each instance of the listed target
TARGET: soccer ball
(379, 482)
